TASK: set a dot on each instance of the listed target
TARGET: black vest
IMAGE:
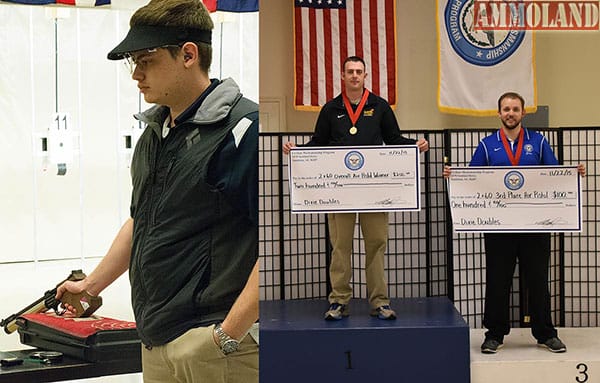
(192, 250)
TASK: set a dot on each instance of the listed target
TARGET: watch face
(230, 346)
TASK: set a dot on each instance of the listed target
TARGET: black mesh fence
(424, 257)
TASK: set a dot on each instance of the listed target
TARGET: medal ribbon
(514, 159)
(354, 115)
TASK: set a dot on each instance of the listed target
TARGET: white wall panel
(51, 224)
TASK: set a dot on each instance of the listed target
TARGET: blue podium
(428, 342)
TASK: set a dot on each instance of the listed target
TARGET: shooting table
(68, 369)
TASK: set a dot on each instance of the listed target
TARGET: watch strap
(225, 341)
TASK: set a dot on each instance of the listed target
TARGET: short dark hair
(180, 13)
(512, 95)
(354, 59)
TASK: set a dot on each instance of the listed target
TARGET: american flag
(328, 31)
(231, 5)
(79, 3)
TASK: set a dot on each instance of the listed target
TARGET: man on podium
(357, 117)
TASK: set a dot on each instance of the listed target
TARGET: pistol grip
(83, 302)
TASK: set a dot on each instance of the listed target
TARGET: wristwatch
(227, 343)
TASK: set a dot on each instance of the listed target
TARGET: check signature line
(390, 201)
(551, 222)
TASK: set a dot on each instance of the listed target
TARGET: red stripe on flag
(328, 53)
(299, 56)
(211, 5)
(390, 32)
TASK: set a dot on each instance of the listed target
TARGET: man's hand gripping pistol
(83, 302)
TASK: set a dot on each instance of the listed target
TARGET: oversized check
(515, 199)
(354, 179)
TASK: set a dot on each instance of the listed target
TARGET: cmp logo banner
(476, 65)
(474, 44)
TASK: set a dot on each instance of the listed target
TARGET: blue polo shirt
(536, 151)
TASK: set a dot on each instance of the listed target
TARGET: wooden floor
(522, 361)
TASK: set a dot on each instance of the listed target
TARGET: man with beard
(513, 145)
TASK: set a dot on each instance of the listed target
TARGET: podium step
(428, 342)
(522, 361)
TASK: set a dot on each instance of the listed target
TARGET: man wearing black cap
(191, 242)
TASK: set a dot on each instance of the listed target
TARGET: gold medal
(355, 114)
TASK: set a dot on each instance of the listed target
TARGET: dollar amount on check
(515, 199)
(354, 179)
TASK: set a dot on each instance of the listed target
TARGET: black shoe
(490, 346)
(336, 312)
(553, 345)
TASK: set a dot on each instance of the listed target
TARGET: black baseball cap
(153, 36)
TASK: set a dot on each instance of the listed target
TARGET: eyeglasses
(142, 58)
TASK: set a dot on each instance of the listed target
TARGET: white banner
(515, 199)
(354, 179)
(476, 66)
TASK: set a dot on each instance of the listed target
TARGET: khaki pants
(374, 227)
(195, 358)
